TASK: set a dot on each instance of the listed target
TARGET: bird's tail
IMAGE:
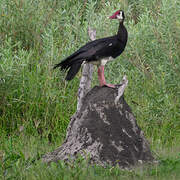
(64, 65)
(73, 71)
(72, 66)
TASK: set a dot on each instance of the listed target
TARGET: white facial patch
(120, 16)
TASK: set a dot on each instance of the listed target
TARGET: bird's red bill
(114, 16)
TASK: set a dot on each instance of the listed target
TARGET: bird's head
(118, 15)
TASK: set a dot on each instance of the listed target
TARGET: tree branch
(121, 89)
(87, 72)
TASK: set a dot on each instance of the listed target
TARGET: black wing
(94, 51)
(99, 49)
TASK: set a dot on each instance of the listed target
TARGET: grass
(36, 103)
(20, 161)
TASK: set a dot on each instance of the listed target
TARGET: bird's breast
(102, 61)
(105, 60)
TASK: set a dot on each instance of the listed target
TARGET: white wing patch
(110, 44)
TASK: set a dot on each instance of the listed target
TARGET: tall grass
(36, 102)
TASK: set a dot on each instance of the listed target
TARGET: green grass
(36, 103)
(20, 160)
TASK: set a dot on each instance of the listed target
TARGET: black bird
(98, 52)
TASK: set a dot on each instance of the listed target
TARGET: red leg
(101, 75)
(101, 78)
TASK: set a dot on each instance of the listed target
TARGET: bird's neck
(122, 32)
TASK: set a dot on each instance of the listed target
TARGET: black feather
(95, 51)
(64, 65)
(73, 70)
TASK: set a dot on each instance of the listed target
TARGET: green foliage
(20, 160)
(36, 103)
